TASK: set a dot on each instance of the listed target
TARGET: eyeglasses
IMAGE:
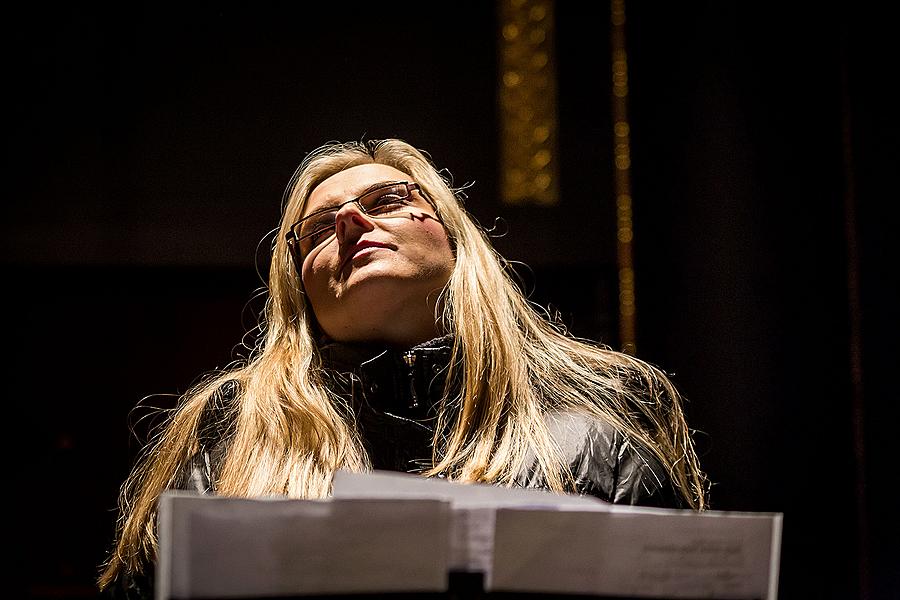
(385, 201)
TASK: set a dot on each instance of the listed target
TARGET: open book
(386, 532)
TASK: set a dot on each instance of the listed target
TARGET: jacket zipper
(409, 357)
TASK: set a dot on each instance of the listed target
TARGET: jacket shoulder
(609, 465)
(200, 472)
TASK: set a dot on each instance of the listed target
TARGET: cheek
(438, 245)
(432, 262)
(314, 276)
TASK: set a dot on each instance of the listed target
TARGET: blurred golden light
(527, 101)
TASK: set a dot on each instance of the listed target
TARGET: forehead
(350, 183)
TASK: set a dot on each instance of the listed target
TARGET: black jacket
(395, 396)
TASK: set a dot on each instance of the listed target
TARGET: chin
(368, 301)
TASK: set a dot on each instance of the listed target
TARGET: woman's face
(376, 279)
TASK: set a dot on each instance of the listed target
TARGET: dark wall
(763, 143)
(150, 148)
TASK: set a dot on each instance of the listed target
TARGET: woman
(394, 338)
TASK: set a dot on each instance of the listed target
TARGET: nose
(350, 223)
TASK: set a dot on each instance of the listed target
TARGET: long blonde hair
(291, 433)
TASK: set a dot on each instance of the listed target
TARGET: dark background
(148, 147)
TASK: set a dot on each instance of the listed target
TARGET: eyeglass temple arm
(294, 249)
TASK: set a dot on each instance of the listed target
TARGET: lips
(351, 251)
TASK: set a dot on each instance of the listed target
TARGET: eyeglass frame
(293, 240)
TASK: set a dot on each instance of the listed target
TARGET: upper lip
(349, 251)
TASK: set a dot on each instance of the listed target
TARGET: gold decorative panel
(529, 170)
(622, 178)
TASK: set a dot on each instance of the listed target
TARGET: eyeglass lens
(378, 203)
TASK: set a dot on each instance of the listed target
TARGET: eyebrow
(359, 194)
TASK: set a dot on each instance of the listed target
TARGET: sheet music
(396, 532)
(637, 552)
(238, 548)
(473, 508)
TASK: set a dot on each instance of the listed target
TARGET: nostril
(350, 223)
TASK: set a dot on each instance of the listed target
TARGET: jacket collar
(407, 383)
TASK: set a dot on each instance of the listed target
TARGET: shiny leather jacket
(395, 395)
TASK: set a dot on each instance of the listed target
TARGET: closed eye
(317, 233)
(323, 221)
(387, 203)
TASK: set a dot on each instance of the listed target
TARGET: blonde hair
(291, 433)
